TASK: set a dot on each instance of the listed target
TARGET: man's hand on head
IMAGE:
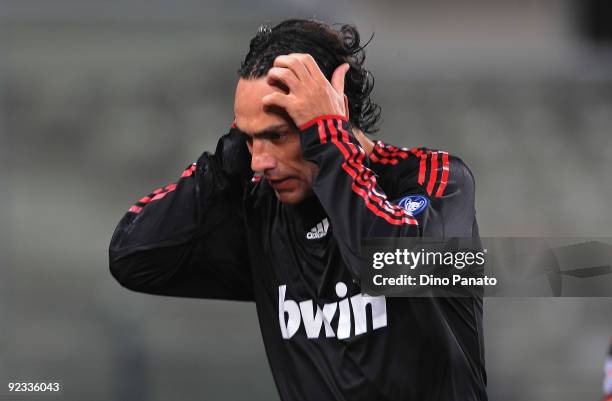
(234, 155)
(308, 93)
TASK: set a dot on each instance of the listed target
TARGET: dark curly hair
(330, 48)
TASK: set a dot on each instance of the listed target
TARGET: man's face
(273, 141)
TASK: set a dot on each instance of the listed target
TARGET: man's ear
(346, 107)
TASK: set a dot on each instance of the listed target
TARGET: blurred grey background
(101, 102)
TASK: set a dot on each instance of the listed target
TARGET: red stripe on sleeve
(422, 168)
(365, 178)
(445, 173)
(320, 118)
(388, 154)
(354, 156)
(159, 193)
(159, 196)
(333, 132)
(135, 209)
(322, 133)
(189, 171)
(345, 137)
(434, 172)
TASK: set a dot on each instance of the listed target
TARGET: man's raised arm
(346, 188)
(181, 240)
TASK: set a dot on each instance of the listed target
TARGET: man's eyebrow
(273, 129)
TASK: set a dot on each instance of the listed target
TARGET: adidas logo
(318, 231)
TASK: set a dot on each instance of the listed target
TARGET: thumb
(346, 107)
(337, 80)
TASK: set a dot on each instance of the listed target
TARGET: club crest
(414, 204)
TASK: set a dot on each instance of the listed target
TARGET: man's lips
(282, 183)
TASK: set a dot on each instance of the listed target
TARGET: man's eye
(276, 137)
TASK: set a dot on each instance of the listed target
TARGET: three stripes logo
(318, 231)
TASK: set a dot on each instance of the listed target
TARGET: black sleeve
(187, 239)
(436, 187)
(348, 190)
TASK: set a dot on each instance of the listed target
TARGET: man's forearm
(348, 189)
(163, 243)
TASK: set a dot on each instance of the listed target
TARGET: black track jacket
(214, 234)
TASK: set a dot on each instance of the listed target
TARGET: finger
(346, 107)
(283, 75)
(311, 65)
(337, 80)
(275, 99)
(294, 64)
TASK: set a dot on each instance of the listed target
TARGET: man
(289, 237)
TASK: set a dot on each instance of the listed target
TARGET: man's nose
(261, 159)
